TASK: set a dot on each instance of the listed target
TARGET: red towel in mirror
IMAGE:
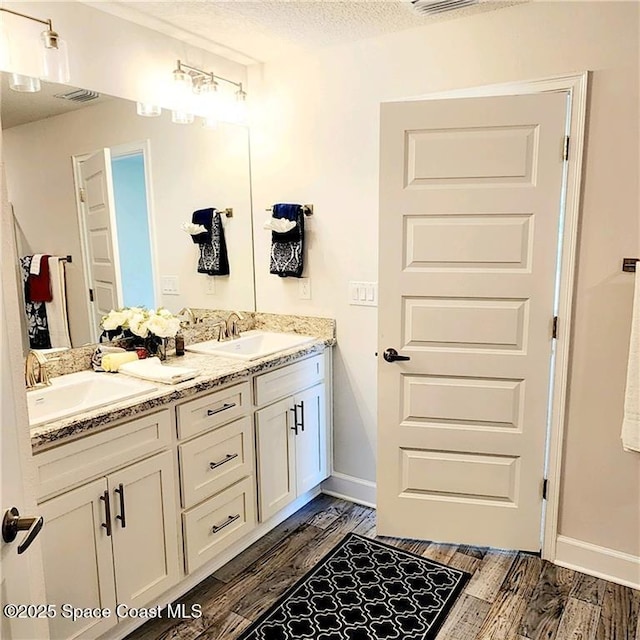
(40, 285)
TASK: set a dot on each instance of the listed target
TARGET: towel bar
(307, 209)
(629, 264)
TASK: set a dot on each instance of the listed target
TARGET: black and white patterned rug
(364, 590)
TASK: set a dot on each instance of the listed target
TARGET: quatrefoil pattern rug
(364, 590)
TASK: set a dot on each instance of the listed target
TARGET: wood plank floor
(511, 596)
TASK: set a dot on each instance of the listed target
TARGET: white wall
(191, 168)
(316, 140)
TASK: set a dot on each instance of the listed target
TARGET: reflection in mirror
(94, 181)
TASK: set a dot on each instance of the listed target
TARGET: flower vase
(156, 347)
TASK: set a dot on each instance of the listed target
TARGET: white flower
(138, 323)
(162, 326)
(114, 320)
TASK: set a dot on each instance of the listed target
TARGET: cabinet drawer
(93, 455)
(218, 523)
(213, 410)
(216, 460)
(286, 381)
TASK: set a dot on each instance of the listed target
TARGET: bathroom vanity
(144, 499)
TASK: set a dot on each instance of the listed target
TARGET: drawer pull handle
(295, 419)
(226, 523)
(107, 512)
(224, 407)
(301, 405)
(121, 517)
(227, 458)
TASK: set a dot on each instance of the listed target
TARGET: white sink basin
(77, 392)
(251, 345)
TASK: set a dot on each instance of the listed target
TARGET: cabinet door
(145, 529)
(78, 561)
(276, 457)
(310, 440)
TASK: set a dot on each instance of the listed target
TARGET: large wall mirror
(154, 175)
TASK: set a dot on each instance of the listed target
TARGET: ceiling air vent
(434, 7)
(78, 95)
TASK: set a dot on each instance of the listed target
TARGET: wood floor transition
(511, 596)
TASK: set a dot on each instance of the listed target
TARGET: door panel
(276, 458)
(310, 446)
(469, 213)
(145, 550)
(75, 541)
(98, 214)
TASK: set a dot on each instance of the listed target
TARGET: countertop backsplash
(79, 359)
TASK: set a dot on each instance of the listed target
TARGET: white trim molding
(341, 485)
(601, 562)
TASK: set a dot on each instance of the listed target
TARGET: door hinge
(545, 487)
(90, 295)
(565, 149)
(82, 195)
(554, 330)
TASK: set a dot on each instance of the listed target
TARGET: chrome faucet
(36, 373)
(187, 312)
(222, 329)
(232, 324)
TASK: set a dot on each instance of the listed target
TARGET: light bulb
(148, 110)
(25, 84)
(55, 59)
(181, 117)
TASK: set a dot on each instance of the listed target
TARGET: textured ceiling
(256, 31)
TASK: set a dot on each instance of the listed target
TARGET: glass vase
(156, 347)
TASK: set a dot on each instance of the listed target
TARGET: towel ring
(307, 209)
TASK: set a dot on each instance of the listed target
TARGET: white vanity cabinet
(113, 540)
(291, 433)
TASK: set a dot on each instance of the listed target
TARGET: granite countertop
(215, 371)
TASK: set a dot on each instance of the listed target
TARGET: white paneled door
(470, 200)
(99, 222)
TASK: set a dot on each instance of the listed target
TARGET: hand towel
(113, 361)
(100, 352)
(203, 217)
(40, 284)
(287, 249)
(35, 312)
(214, 259)
(631, 423)
(152, 369)
(279, 225)
(34, 268)
(57, 316)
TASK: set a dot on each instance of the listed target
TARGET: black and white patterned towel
(214, 259)
(35, 312)
(287, 249)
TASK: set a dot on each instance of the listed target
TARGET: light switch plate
(170, 285)
(210, 286)
(363, 293)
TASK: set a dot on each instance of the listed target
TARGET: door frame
(576, 85)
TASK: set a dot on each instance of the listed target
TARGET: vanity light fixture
(203, 87)
(54, 57)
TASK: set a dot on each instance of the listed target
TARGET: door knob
(391, 355)
(12, 523)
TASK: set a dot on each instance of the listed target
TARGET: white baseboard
(340, 485)
(597, 561)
